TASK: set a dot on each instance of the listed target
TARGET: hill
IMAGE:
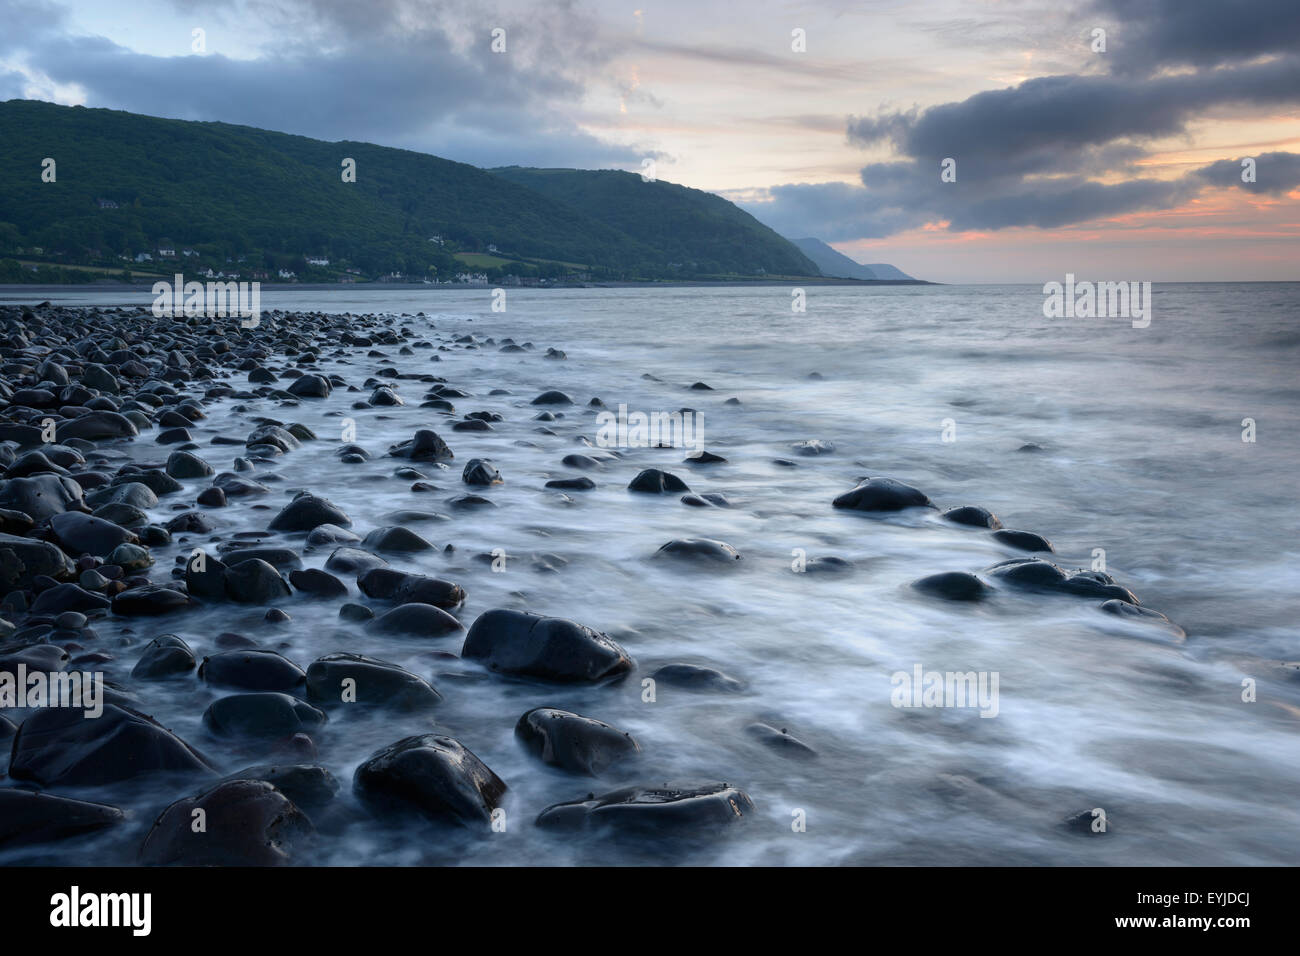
(694, 232)
(834, 263)
(128, 185)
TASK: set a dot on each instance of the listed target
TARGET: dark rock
(374, 683)
(974, 516)
(181, 464)
(433, 775)
(705, 549)
(1023, 540)
(255, 582)
(480, 472)
(79, 533)
(552, 397)
(1143, 614)
(780, 740)
(416, 620)
(426, 445)
(317, 583)
(165, 656)
(261, 715)
(953, 586)
(403, 587)
(653, 810)
(656, 482)
(581, 483)
(311, 386)
(149, 601)
(306, 512)
(694, 677)
(882, 494)
(353, 561)
(60, 747)
(529, 645)
(572, 742)
(27, 817)
(251, 669)
(40, 496)
(248, 823)
(308, 786)
(396, 539)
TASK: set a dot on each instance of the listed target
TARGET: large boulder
(432, 775)
(653, 810)
(354, 679)
(247, 823)
(61, 747)
(572, 742)
(528, 645)
(261, 715)
(79, 534)
(22, 559)
(251, 669)
(403, 587)
(28, 817)
(882, 494)
(308, 511)
(425, 445)
(41, 496)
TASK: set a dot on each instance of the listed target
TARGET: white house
(143, 257)
(318, 262)
(286, 274)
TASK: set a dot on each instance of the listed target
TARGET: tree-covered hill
(694, 231)
(127, 184)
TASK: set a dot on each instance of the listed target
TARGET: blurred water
(1141, 455)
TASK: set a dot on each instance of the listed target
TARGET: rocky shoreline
(101, 412)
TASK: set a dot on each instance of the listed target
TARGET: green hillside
(129, 184)
(695, 232)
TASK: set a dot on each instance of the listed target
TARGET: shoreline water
(812, 653)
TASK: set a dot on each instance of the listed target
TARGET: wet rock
(355, 612)
(79, 533)
(416, 620)
(373, 683)
(953, 586)
(96, 426)
(703, 457)
(311, 386)
(353, 561)
(60, 747)
(653, 810)
(149, 601)
(1038, 574)
(403, 587)
(656, 482)
(331, 534)
(28, 817)
(165, 656)
(396, 539)
(552, 397)
(211, 498)
(695, 677)
(24, 559)
(581, 483)
(882, 494)
(41, 496)
(278, 558)
(181, 464)
(700, 549)
(828, 564)
(432, 775)
(317, 583)
(479, 471)
(574, 743)
(550, 648)
(306, 512)
(261, 715)
(68, 597)
(130, 557)
(425, 445)
(1023, 540)
(780, 740)
(255, 582)
(248, 823)
(308, 786)
(251, 669)
(974, 516)
(1142, 615)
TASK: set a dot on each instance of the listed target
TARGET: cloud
(1202, 33)
(394, 72)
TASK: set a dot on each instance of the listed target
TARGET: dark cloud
(1154, 33)
(394, 72)
(1275, 173)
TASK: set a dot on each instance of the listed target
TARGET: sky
(1103, 138)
